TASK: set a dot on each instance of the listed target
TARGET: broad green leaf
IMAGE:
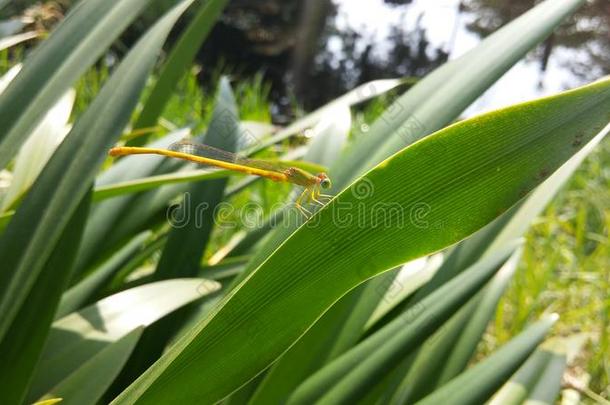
(21, 347)
(352, 374)
(490, 163)
(29, 238)
(178, 61)
(510, 225)
(82, 292)
(88, 383)
(543, 194)
(74, 46)
(76, 338)
(477, 384)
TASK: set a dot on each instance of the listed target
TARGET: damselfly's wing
(210, 152)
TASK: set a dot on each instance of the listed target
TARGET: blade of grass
(13, 40)
(360, 94)
(414, 385)
(464, 347)
(516, 390)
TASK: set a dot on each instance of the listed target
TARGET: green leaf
(29, 238)
(88, 383)
(477, 384)
(510, 225)
(517, 389)
(82, 292)
(178, 61)
(549, 383)
(349, 377)
(79, 336)
(150, 182)
(490, 163)
(21, 347)
(5, 218)
(73, 47)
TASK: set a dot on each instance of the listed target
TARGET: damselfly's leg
(299, 206)
(306, 213)
(320, 198)
(315, 193)
(326, 197)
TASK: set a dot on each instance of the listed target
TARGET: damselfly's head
(324, 181)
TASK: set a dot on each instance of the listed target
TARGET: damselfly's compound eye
(325, 183)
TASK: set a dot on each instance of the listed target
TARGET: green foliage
(382, 296)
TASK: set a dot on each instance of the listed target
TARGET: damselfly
(210, 156)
